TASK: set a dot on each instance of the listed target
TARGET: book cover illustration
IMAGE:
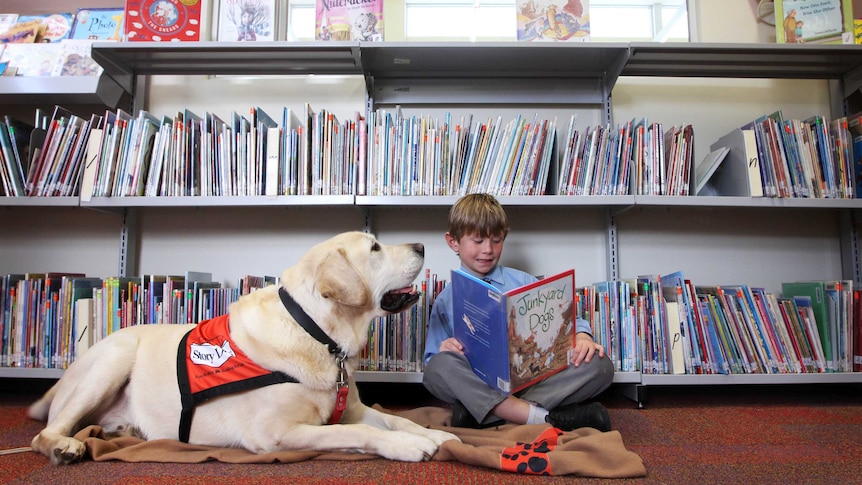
(553, 20)
(22, 32)
(98, 24)
(31, 60)
(340, 20)
(74, 59)
(515, 338)
(246, 20)
(820, 21)
(7, 20)
(163, 20)
(53, 27)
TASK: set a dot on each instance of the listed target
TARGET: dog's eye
(375, 246)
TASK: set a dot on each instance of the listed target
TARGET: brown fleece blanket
(536, 449)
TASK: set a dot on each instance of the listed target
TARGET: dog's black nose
(419, 248)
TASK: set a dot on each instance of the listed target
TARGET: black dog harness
(209, 365)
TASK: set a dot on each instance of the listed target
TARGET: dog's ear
(339, 281)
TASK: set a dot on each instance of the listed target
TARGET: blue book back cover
(480, 326)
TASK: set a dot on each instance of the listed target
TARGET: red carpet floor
(696, 435)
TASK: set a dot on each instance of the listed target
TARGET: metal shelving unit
(465, 73)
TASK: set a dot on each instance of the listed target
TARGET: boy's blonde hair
(478, 214)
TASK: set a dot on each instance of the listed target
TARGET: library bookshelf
(615, 234)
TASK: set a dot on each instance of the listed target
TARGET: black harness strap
(190, 401)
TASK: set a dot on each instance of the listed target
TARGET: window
(490, 20)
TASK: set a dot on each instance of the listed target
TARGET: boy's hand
(452, 345)
(584, 349)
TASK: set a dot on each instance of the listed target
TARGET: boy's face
(478, 254)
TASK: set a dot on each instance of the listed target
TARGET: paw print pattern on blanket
(531, 458)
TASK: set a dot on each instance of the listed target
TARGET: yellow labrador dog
(275, 374)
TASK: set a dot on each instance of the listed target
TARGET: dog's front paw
(406, 446)
(439, 437)
(62, 450)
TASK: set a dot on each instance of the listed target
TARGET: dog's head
(358, 274)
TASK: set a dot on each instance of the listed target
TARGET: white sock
(537, 415)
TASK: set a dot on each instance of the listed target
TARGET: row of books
(413, 155)
(636, 157)
(50, 318)
(665, 324)
(777, 157)
(396, 342)
(313, 152)
(654, 324)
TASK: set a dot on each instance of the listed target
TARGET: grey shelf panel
(390, 377)
(125, 59)
(206, 201)
(748, 202)
(486, 60)
(30, 373)
(751, 379)
(490, 60)
(38, 201)
(788, 61)
(64, 90)
(416, 377)
(506, 200)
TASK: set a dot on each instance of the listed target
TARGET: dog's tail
(39, 409)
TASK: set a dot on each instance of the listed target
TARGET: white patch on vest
(211, 355)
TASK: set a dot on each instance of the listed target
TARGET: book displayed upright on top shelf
(99, 24)
(336, 21)
(163, 20)
(246, 20)
(54, 27)
(553, 20)
(515, 338)
(814, 21)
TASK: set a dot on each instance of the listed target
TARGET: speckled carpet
(693, 435)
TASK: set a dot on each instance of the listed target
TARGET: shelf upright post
(367, 215)
(612, 262)
(128, 243)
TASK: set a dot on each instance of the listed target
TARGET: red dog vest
(209, 364)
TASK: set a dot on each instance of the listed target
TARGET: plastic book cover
(553, 20)
(516, 338)
(338, 20)
(54, 26)
(99, 24)
(74, 59)
(810, 21)
(246, 20)
(163, 20)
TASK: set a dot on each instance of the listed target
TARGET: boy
(478, 226)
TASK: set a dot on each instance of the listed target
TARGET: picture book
(518, 337)
(361, 21)
(22, 32)
(246, 20)
(163, 20)
(102, 23)
(820, 21)
(32, 60)
(54, 27)
(553, 20)
(7, 20)
(74, 59)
